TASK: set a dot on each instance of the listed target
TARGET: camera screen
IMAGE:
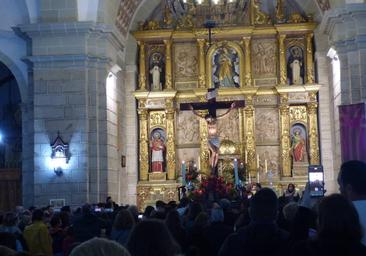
(316, 180)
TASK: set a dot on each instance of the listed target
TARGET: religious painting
(156, 71)
(185, 62)
(272, 155)
(157, 150)
(299, 143)
(228, 126)
(295, 65)
(225, 67)
(264, 56)
(188, 128)
(266, 126)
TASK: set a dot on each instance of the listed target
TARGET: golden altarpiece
(251, 54)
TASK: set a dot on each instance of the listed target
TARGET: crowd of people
(258, 224)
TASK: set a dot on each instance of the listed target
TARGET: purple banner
(352, 120)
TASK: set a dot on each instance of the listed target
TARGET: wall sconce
(60, 155)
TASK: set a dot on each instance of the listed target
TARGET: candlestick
(183, 173)
(265, 165)
(236, 175)
(246, 157)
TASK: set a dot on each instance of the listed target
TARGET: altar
(266, 60)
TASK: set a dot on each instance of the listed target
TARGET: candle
(199, 163)
(265, 165)
(249, 179)
(236, 175)
(183, 173)
(246, 157)
(258, 161)
(257, 177)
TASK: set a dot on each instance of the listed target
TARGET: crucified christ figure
(211, 119)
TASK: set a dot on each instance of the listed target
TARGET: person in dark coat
(262, 236)
(88, 226)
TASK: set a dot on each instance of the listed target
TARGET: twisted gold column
(313, 133)
(282, 56)
(168, 65)
(248, 65)
(309, 59)
(204, 151)
(249, 135)
(170, 147)
(144, 145)
(285, 136)
(142, 75)
(201, 64)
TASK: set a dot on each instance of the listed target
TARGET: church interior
(112, 98)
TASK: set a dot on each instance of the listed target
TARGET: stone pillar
(249, 126)
(142, 69)
(144, 142)
(170, 147)
(248, 62)
(168, 65)
(285, 136)
(309, 59)
(313, 130)
(282, 59)
(201, 64)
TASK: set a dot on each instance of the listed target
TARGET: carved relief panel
(185, 65)
(272, 155)
(264, 56)
(188, 129)
(266, 126)
(228, 126)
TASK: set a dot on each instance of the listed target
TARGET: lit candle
(183, 173)
(257, 177)
(236, 175)
(258, 161)
(265, 165)
(246, 157)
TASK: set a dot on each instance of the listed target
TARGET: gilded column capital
(168, 64)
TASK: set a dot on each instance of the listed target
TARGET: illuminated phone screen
(316, 182)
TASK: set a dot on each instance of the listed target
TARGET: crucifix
(211, 118)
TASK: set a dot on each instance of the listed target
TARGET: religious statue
(298, 146)
(225, 69)
(157, 153)
(296, 70)
(155, 72)
(295, 66)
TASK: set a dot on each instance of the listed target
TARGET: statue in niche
(295, 68)
(156, 71)
(157, 147)
(226, 68)
(298, 143)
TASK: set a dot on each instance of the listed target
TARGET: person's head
(338, 220)
(86, 209)
(148, 210)
(109, 200)
(124, 220)
(217, 214)
(258, 187)
(10, 219)
(225, 204)
(134, 211)
(151, 237)
(66, 208)
(55, 221)
(183, 202)
(289, 211)
(264, 205)
(160, 206)
(291, 188)
(194, 209)
(99, 247)
(173, 219)
(37, 215)
(352, 180)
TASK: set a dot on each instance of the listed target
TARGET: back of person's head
(6, 251)
(289, 211)
(37, 215)
(338, 220)
(264, 205)
(55, 221)
(352, 178)
(10, 219)
(194, 209)
(86, 209)
(151, 238)
(183, 202)
(201, 221)
(304, 220)
(217, 214)
(124, 220)
(160, 205)
(99, 247)
(172, 219)
(134, 211)
(66, 208)
(148, 210)
(225, 204)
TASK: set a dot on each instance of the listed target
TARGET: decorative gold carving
(266, 125)
(285, 136)
(296, 18)
(149, 193)
(168, 64)
(185, 62)
(157, 176)
(248, 66)
(201, 63)
(258, 16)
(142, 69)
(313, 133)
(157, 119)
(298, 113)
(204, 155)
(152, 25)
(266, 100)
(170, 112)
(282, 56)
(228, 147)
(280, 14)
(144, 145)
(309, 59)
(249, 135)
(264, 58)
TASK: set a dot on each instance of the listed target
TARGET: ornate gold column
(285, 135)
(168, 65)
(313, 130)
(142, 75)
(248, 65)
(204, 151)
(241, 133)
(201, 64)
(143, 141)
(249, 135)
(170, 146)
(282, 56)
(309, 59)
